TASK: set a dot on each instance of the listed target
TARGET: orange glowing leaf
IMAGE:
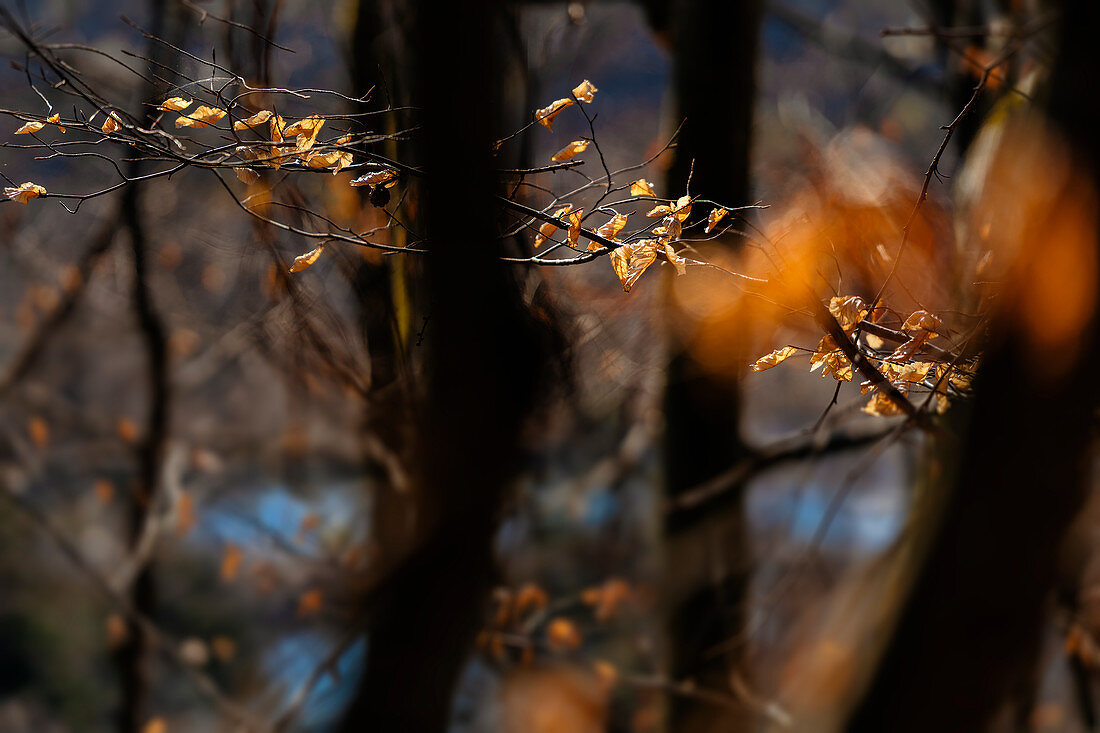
(569, 151)
(301, 262)
(548, 228)
(562, 635)
(661, 210)
(612, 228)
(909, 349)
(837, 366)
(231, 562)
(30, 127)
(257, 119)
(55, 119)
(641, 187)
(574, 233)
(825, 347)
(585, 91)
(682, 207)
(546, 115)
(669, 230)
(175, 104)
(111, 124)
(310, 602)
(24, 193)
(714, 217)
(775, 358)
(202, 116)
(305, 131)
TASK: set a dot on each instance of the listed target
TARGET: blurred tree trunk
(968, 638)
(481, 365)
(714, 49)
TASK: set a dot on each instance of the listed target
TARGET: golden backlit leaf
(585, 91)
(669, 230)
(246, 175)
(714, 217)
(175, 104)
(909, 349)
(824, 347)
(376, 178)
(562, 635)
(548, 228)
(660, 210)
(612, 228)
(252, 120)
(202, 116)
(676, 260)
(310, 602)
(275, 126)
(111, 124)
(923, 320)
(29, 127)
(55, 119)
(767, 361)
(574, 233)
(631, 260)
(882, 406)
(641, 187)
(848, 310)
(682, 207)
(837, 366)
(569, 151)
(546, 115)
(301, 262)
(305, 131)
(232, 557)
(25, 192)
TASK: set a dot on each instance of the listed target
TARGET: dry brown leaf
(573, 235)
(246, 175)
(305, 131)
(377, 178)
(175, 104)
(25, 192)
(631, 260)
(676, 260)
(275, 126)
(548, 228)
(641, 187)
(29, 127)
(612, 228)
(848, 311)
(111, 124)
(55, 119)
(569, 151)
(909, 349)
(881, 406)
(923, 320)
(824, 347)
(546, 115)
(202, 116)
(837, 366)
(301, 262)
(714, 217)
(775, 358)
(585, 91)
(252, 120)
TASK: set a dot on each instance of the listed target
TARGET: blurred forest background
(392, 493)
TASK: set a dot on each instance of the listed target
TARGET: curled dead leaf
(570, 151)
(175, 104)
(301, 262)
(546, 115)
(202, 116)
(774, 358)
(252, 120)
(641, 187)
(25, 192)
(585, 91)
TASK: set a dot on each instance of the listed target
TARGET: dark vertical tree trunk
(968, 639)
(481, 364)
(714, 66)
